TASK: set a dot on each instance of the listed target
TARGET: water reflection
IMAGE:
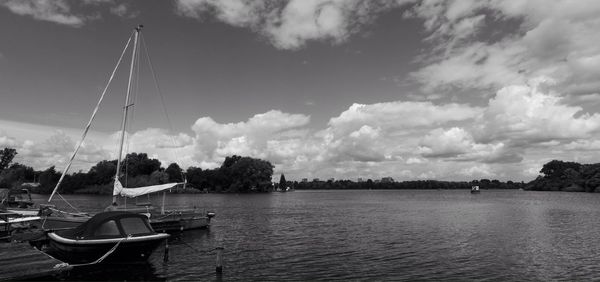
(112, 272)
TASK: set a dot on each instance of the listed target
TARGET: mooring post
(166, 254)
(219, 268)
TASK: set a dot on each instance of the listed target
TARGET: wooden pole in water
(219, 268)
(162, 207)
(166, 254)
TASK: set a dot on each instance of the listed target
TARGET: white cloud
(7, 141)
(122, 10)
(457, 144)
(70, 13)
(414, 160)
(56, 151)
(58, 11)
(42, 146)
(447, 143)
(403, 140)
(583, 145)
(214, 141)
(523, 113)
(290, 24)
(477, 171)
(523, 40)
(401, 115)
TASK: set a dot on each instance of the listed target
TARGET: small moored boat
(474, 189)
(107, 237)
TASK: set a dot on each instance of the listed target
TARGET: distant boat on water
(475, 189)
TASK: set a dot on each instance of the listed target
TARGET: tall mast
(127, 105)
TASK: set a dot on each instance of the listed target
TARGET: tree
(15, 175)
(49, 178)
(282, 182)
(139, 164)
(174, 172)
(6, 157)
(195, 177)
(159, 177)
(556, 168)
(229, 161)
(103, 172)
(245, 174)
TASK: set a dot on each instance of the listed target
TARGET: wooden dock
(20, 261)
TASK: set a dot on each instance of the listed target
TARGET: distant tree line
(406, 185)
(236, 174)
(567, 176)
(240, 174)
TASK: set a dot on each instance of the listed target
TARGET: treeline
(567, 176)
(236, 174)
(406, 185)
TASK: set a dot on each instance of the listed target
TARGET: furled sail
(134, 192)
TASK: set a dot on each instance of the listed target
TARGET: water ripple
(388, 235)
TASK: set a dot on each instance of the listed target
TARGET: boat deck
(22, 261)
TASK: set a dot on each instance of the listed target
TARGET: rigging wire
(87, 127)
(162, 100)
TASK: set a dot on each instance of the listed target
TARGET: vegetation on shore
(406, 185)
(567, 176)
(237, 174)
(245, 174)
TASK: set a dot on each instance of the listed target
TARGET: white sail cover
(134, 192)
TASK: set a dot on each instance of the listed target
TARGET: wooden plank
(22, 261)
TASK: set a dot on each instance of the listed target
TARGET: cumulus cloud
(214, 141)
(366, 140)
(524, 113)
(400, 139)
(399, 114)
(457, 144)
(71, 13)
(7, 141)
(447, 143)
(386, 132)
(477, 171)
(522, 40)
(56, 151)
(290, 24)
(519, 119)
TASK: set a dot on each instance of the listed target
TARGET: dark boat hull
(172, 220)
(128, 250)
(179, 221)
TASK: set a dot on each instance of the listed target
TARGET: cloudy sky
(448, 90)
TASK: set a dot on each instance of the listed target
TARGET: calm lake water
(380, 235)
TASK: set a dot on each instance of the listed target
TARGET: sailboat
(15, 227)
(163, 220)
(17, 201)
(110, 236)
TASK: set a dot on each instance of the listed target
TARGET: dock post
(219, 268)
(166, 254)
